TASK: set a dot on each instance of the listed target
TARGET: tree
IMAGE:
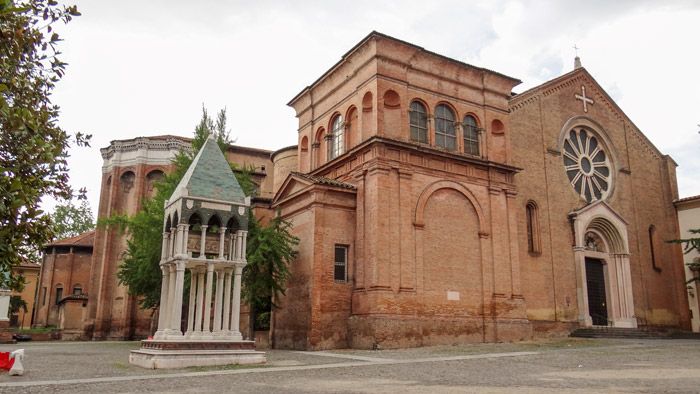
(140, 269)
(70, 220)
(690, 244)
(33, 148)
(17, 303)
(270, 250)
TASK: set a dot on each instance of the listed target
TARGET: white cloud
(145, 68)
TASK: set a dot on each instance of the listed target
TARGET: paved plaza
(563, 365)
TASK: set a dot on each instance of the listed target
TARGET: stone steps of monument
(633, 333)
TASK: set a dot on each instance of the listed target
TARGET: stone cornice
(149, 143)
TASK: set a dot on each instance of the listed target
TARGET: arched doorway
(604, 283)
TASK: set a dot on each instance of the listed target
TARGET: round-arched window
(445, 135)
(587, 164)
(336, 146)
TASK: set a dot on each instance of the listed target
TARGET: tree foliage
(270, 250)
(690, 244)
(140, 270)
(69, 219)
(33, 148)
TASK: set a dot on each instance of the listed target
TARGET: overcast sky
(139, 68)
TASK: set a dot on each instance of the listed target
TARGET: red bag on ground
(5, 361)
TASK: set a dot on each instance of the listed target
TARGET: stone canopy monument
(205, 229)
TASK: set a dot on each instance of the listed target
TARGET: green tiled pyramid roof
(210, 176)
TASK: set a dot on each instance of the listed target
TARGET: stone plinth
(196, 345)
(181, 358)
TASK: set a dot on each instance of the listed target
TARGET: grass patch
(36, 330)
(120, 365)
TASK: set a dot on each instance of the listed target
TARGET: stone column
(186, 238)
(169, 243)
(192, 302)
(177, 300)
(171, 296)
(207, 299)
(177, 241)
(163, 308)
(200, 300)
(237, 248)
(173, 240)
(218, 301)
(203, 241)
(236, 307)
(227, 300)
(244, 245)
(584, 317)
(164, 247)
(222, 240)
(230, 246)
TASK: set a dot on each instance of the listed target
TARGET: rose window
(587, 165)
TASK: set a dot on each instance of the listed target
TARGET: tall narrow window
(445, 135)
(59, 294)
(533, 228)
(43, 296)
(336, 146)
(418, 121)
(471, 136)
(340, 266)
(652, 241)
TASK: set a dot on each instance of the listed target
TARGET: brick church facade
(435, 206)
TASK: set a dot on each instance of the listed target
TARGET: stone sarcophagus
(203, 248)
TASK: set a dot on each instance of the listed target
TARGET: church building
(434, 206)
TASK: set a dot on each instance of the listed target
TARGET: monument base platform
(158, 354)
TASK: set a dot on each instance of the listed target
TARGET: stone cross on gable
(584, 99)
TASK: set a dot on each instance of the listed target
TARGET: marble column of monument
(214, 256)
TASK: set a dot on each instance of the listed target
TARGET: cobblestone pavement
(555, 366)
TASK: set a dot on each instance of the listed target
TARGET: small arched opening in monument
(195, 234)
(211, 247)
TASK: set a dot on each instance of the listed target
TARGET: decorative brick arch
(419, 220)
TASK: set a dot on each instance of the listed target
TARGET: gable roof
(86, 239)
(210, 177)
(320, 180)
(529, 96)
(297, 182)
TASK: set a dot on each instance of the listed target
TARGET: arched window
(127, 181)
(533, 228)
(418, 122)
(214, 225)
(59, 294)
(445, 136)
(471, 135)
(652, 241)
(77, 290)
(152, 179)
(336, 146)
(195, 223)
